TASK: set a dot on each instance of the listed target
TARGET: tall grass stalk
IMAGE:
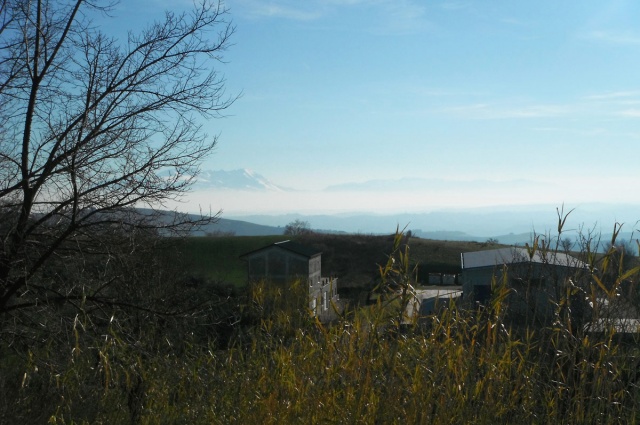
(457, 366)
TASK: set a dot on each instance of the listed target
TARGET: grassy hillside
(218, 258)
(351, 258)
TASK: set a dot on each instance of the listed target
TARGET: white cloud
(515, 22)
(630, 113)
(581, 132)
(613, 37)
(602, 106)
(350, 2)
(281, 9)
(454, 5)
(614, 95)
(406, 15)
(396, 15)
(492, 111)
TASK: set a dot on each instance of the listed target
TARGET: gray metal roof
(514, 255)
(296, 248)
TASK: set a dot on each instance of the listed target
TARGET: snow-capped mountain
(242, 179)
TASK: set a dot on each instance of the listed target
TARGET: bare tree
(91, 127)
(567, 244)
(297, 227)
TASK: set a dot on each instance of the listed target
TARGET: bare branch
(92, 127)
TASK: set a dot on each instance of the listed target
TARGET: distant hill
(444, 235)
(474, 224)
(239, 228)
(221, 226)
(514, 225)
(510, 239)
(417, 184)
(262, 225)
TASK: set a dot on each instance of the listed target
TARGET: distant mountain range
(242, 179)
(413, 184)
(219, 227)
(386, 224)
(508, 224)
(238, 228)
(245, 179)
(274, 225)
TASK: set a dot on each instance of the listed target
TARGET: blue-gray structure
(536, 279)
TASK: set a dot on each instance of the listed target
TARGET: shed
(536, 279)
(286, 261)
(283, 261)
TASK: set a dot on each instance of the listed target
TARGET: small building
(287, 261)
(536, 280)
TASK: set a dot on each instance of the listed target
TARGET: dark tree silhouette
(297, 227)
(91, 127)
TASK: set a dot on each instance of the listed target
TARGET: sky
(539, 99)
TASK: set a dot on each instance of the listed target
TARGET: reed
(460, 365)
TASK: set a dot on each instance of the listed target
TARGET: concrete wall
(321, 295)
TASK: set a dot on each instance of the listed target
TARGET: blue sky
(338, 91)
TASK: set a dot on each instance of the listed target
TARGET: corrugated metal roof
(296, 248)
(513, 255)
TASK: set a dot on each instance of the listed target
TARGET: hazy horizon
(394, 196)
(352, 91)
(366, 211)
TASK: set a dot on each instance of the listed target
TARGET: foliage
(297, 227)
(397, 281)
(491, 241)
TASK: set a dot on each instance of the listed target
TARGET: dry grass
(459, 366)
(463, 367)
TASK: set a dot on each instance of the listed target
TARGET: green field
(352, 258)
(218, 258)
